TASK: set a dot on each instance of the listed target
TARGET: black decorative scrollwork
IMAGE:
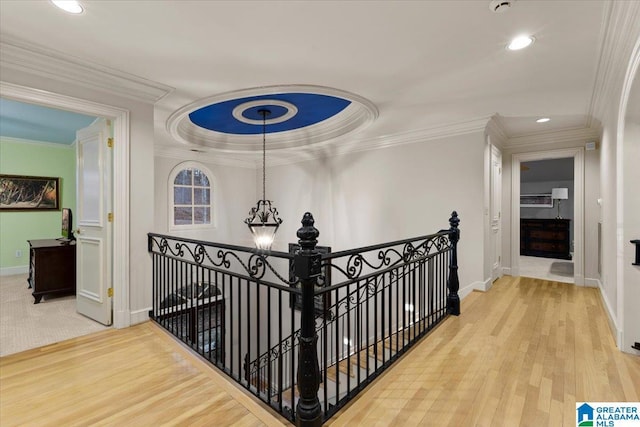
(255, 265)
(357, 263)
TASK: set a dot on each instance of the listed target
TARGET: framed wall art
(536, 201)
(29, 193)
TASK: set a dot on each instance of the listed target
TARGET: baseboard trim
(12, 271)
(463, 292)
(613, 324)
(484, 286)
(591, 283)
(140, 316)
(506, 271)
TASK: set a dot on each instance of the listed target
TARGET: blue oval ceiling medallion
(299, 115)
(288, 111)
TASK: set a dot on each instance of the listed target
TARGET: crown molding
(422, 135)
(620, 32)
(554, 137)
(47, 144)
(23, 56)
(345, 145)
(210, 157)
(336, 147)
(495, 129)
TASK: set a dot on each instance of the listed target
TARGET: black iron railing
(304, 332)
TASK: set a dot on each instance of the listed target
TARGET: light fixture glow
(408, 307)
(263, 219)
(543, 120)
(520, 42)
(71, 6)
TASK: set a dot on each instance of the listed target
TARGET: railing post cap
(308, 234)
(454, 221)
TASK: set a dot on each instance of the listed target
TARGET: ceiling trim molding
(344, 145)
(23, 56)
(621, 29)
(495, 130)
(48, 144)
(358, 115)
(422, 135)
(215, 158)
(54, 100)
(555, 137)
(337, 147)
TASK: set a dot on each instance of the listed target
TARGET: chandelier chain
(264, 155)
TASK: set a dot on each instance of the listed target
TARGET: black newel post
(453, 284)
(307, 269)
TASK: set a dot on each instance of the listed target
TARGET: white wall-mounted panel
(90, 184)
(90, 253)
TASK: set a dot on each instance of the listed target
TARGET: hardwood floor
(521, 354)
(137, 376)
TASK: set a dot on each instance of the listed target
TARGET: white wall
(234, 194)
(378, 196)
(619, 177)
(592, 217)
(609, 278)
(141, 176)
(631, 215)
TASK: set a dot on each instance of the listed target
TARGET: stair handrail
(279, 350)
(411, 253)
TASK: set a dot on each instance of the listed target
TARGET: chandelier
(263, 219)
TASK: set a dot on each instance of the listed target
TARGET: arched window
(190, 196)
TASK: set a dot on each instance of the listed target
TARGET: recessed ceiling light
(543, 120)
(520, 42)
(71, 6)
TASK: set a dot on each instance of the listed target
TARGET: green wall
(34, 159)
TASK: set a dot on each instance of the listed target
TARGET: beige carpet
(25, 325)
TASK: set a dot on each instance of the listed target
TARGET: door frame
(495, 238)
(120, 120)
(578, 205)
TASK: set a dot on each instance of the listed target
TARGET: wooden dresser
(549, 238)
(52, 267)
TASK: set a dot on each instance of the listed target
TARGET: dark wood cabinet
(549, 238)
(52, 267)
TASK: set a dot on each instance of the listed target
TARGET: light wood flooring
(522, 353)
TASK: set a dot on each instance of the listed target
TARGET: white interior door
(496, 214)
(93, 219)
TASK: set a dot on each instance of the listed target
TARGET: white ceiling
(424, 64)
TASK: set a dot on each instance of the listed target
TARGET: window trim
(170, 196)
